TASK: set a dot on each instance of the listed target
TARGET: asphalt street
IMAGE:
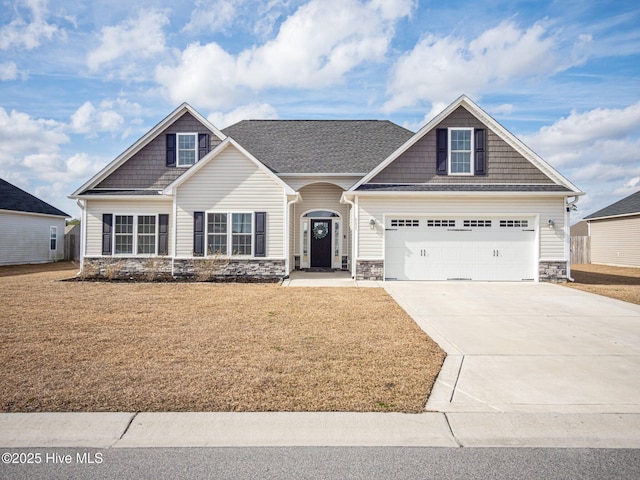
(323, 463)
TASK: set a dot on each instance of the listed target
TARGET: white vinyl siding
(230, 182)
(96, 208)
(552, 240)
(26, 238)
(616, 241)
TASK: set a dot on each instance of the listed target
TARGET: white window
(147, 234)
(460, 151)
(241, 234)
(237, 233)
(135, 234)
(217, 234)
(187, 149)
(123, 235)
(53, 238)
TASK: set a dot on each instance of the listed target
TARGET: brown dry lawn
(88, 346)
(622, 283)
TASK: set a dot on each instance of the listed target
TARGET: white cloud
(21, 135)
(253, 111)
(8, 71)
(212, 15)
(315, 47)
(439, 69)
(29, 33)
(30, 154)
(598, 149)
(109, 116)
(134, 40)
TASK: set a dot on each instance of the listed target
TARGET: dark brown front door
(321, 243)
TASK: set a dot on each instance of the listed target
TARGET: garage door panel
(482, 250)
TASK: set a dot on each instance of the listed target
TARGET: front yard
(622, 283)
(86, 346)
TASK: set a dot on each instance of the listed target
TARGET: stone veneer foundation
(555, 272)
(203, 269)
(370, 270)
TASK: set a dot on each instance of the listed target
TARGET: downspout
(571, 205)
(83, 231)
(175, 232)
(287, 232)
(354, 240)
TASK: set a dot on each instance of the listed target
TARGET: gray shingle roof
(469, 187)
(16, 199)
(627, 206)
(319, 146)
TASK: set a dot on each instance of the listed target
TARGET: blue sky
(80, 81)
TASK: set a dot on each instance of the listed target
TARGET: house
(615, 233)
(31, 230)
(460, 199)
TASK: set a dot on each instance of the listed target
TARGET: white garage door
(460, 248)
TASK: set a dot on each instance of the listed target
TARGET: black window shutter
(171, 149)
(203, 144)
(198, 234)
(163, 234)
(480, 144)
(107, 228)
(261, 234)
(442, 141)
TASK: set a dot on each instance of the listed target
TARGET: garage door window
(514, 223)
(477, 223)
(441, 223)
(403, 222)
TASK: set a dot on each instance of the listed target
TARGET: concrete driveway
(527, 347)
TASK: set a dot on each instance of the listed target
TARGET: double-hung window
(217, 234)
(229, 234)
(187, 149)
(461, 151)
(146, 234)
(134, 234)
(53, 238)
(241, 234)
(123, 235)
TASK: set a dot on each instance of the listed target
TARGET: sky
(82, 80)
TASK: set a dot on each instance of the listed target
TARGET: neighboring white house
(31, 230)
(615, 233)
(460, 199)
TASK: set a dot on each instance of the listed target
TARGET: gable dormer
(461, 149)
(161, 156)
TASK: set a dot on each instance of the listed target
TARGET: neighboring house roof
(16, 199)
(493, 125)
(627, 206)
(319, 146)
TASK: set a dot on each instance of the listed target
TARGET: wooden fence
(580, 250)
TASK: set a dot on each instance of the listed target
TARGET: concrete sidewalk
(127, 430)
